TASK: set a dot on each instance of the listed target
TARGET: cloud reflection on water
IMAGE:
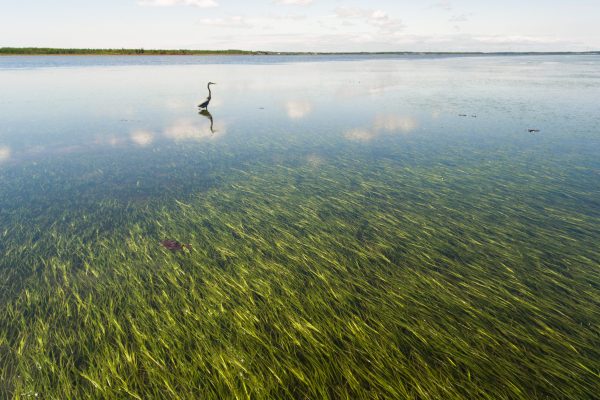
(4, 153)
(297, 109)
(395, 123)
(189, 129)
(315, 160)
(181, 130)
(360, 135)
(141, 138)
(388, 123)
(176, 104)
(115, 141)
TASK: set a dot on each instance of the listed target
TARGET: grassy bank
(185, 52)
(57, 51)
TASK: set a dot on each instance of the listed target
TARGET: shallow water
(359, 227)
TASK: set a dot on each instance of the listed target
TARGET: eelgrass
(346, 274)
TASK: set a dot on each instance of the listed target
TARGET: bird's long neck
(209, 95)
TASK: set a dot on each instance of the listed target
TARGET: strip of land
(60, 51)
(187, 52)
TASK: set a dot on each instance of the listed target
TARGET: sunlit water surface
(377, 226)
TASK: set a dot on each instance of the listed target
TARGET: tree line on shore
(123, 51)
(58, 51)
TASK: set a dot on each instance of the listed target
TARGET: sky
(304, 25)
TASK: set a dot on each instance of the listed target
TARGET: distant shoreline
(41, 51)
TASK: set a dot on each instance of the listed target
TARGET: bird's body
(205, 104)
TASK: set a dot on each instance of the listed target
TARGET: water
(387, 221)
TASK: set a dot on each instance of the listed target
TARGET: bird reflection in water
(208, 115)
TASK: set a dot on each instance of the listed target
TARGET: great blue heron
(205, 104)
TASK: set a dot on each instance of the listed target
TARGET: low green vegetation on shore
(187, 52)
(152, 52)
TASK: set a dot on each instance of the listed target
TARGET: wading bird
(205, 104)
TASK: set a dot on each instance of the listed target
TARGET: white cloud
(375, 18)
(515, 39)
(288, 17)
(358, 39)
(294, 2)
(460, 18)
(358, 29)
(168, 3)
(444, 5)
(352, 12)
(228, 22)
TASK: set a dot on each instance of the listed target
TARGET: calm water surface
(381, 226)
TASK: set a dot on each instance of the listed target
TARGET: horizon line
(150, 51)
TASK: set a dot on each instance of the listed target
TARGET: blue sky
(304, 25)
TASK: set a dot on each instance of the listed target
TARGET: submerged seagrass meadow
(358, 227)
